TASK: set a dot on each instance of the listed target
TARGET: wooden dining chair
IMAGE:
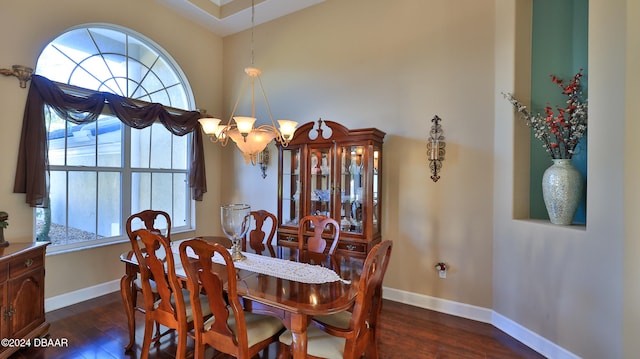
(230, 329)
(170, 305)
(316, 242)
(350, 334)
(260, 237)
(155, 221)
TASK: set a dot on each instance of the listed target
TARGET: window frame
(125, 170)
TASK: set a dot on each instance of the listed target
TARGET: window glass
(102, 172)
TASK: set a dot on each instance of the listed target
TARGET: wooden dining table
(293, 302)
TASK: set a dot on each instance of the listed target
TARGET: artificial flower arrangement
(559, 131)
(4, 216)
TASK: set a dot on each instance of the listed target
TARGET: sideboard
(21, 295)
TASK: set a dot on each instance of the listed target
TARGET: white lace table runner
(275, 267)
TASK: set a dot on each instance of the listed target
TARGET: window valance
(33, 164)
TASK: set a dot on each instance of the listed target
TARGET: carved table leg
(297, 323)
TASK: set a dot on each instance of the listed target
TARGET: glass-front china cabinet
(330, 170)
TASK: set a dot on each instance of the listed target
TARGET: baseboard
(439, 305)
(485, 315)
(531, 339)
(80, 295)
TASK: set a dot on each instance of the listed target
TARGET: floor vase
(562, 186)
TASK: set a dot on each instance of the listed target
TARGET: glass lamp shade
(254, 143)
(244, 124)
(287, 129)
(210, 126)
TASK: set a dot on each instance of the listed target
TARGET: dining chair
(260, 237)
(170, 305)
(230, 329)
(349, 334)
(317, 243)
(154, 221)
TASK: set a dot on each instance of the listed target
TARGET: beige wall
(366, 63)
(565, 283)
(28, 28)
(631, 269)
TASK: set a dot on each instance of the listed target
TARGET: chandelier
(249, 139)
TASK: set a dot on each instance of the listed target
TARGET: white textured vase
(562, 189)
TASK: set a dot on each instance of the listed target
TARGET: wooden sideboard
(22, 294)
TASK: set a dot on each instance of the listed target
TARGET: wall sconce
(23, 73)
(263, 161)
(435, 148)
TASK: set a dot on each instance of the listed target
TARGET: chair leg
(284, 352)
(181, 351)
(146, 341)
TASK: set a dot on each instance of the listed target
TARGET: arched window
(101, 172)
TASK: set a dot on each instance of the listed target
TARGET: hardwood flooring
(97, 329)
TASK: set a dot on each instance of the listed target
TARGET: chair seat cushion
(204, 303)
(338, 320)
(138, 283)
(319, 343)
(259, 327)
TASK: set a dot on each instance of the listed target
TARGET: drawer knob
(351, 247)
(28, 263)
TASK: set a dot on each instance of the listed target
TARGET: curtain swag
(32, 172)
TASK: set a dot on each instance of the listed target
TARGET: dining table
(283, 285)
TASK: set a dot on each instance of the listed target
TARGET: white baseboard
(485, 315)
(531, 339)
(80, 295)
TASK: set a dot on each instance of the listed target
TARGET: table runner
(276, 267)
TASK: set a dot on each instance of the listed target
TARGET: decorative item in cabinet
(328, 169)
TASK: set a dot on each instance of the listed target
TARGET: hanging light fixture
(249, 139)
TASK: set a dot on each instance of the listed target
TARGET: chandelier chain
(253, 25)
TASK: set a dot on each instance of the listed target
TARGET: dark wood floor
(97, 329)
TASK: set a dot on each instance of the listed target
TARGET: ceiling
(226, 17)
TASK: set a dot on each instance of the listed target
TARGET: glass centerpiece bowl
(235, 224)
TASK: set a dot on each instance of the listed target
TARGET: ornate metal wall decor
(435, 148)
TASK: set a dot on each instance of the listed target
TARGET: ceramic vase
(562, 186)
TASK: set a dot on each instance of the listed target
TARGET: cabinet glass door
(291, 187)
(352, 178)
(377, 163)
(321, 181)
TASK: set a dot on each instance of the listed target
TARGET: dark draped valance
(33, 163)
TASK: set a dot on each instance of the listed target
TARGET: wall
(366, 63)
(564, 283)
(631, 270)
(30, 28)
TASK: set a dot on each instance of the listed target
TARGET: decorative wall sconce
(263, 161)
(23, 73)
(435, 148)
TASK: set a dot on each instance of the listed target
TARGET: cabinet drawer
(25, 263)
(288, 238)
(4, 270)
(352, 246)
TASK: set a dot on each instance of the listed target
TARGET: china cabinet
(328, 169)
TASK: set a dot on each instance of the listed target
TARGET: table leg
(297, 323)
(126, 290)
